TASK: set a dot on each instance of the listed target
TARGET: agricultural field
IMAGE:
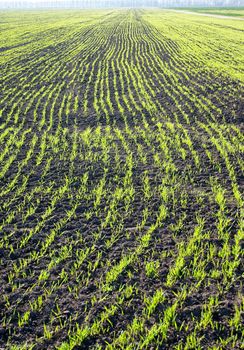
(223, 11)
(121, 164)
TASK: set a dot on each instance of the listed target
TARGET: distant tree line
(115, 3)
